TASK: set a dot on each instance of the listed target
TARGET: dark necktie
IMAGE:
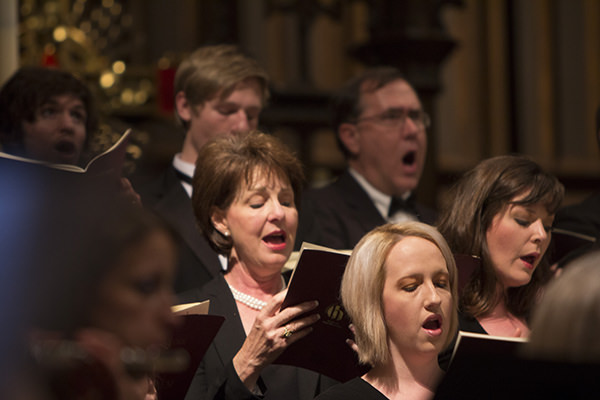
(183, 176)
(399, 204)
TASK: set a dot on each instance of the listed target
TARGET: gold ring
(286, 332)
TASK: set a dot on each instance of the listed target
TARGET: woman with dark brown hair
(501, 212)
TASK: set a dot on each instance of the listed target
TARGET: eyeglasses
(396, 117)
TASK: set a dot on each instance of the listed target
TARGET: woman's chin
(276, 261)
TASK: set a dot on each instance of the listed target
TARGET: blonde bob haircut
(364, 278)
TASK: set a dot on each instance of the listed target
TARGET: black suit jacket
(340, 214)
(216, 378)
(582, 218)
(198, 262)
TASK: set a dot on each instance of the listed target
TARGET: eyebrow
(403, 109)
(53, 102)
(419, 275)
(235, 103)
(529, 210)
(523, 208)
(264, 189)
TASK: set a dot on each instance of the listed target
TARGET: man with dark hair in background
(46, 114)
(381, 129)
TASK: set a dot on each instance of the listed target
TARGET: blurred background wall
(497, 76)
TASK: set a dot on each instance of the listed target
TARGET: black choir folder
(193, 335)
(493, 367)
(108, 164)
(317, 276)
(474, 353)
(470, 344)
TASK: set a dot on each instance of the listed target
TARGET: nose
(242, 123)
(432, 297)
(66, 122)
(539, 231)
(276, 212)
(410, 128)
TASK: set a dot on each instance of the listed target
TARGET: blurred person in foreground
(246, 207)
(96, 285)
(565, 324)
(405, 315)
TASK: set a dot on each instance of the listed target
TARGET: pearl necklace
(248, 300)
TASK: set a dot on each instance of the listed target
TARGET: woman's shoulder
(354, 389)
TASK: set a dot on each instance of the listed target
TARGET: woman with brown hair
(501, 212)
(244, 196)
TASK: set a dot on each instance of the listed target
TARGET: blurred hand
(267, 338)
(556, 271)
(106, 348)
(151, 393)
(127, 191)
(351, 342)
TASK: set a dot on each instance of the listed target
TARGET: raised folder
(470, 344)
(317, 276)
(107, 165)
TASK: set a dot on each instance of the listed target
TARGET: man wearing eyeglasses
(381, 129)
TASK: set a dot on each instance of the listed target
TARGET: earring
(226, 234)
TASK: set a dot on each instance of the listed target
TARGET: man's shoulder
(590, 205)
(338, 189)
(322, 192)
(583, 217)
(153, 190)
(587, 210)
(426, 214)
